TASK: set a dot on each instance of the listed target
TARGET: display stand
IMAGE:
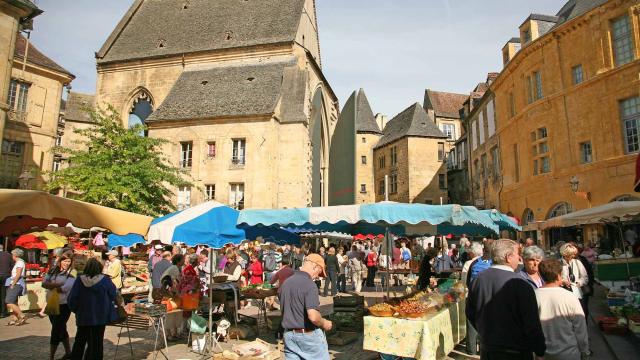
(145, 322)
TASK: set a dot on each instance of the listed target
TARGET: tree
(116, 167)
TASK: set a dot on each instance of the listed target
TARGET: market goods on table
(382, 310)
(258, 291)
(137, 276)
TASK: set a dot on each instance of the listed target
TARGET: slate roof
(413, 121)
(156, 28)
(36, 57)
(365, 120)
(542, 17)
(76, 106)
(575, 8)
(235, 91)
(443, 103)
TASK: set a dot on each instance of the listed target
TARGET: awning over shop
(611, 212)
(212, 224)
(383, 213)
(502, 220)
(42, 205)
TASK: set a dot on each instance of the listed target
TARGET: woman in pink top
(255, 270)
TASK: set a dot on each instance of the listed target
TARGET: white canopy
(611, 212)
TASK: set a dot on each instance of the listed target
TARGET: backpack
(270, 263)
(406, 256)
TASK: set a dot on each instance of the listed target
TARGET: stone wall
(571, 114)
(364, 172)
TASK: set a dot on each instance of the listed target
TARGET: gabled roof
(77, 105)
(36, 57)
(413, 121)
(157, 28)
(227, 91)
(365, 120)
(443, 103)
(542, 17)
(575, 8)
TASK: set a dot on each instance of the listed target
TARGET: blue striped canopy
(384, 213)
(503, 221)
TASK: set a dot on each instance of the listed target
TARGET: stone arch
(625, 197)
(139, 106)
(528, 217)
(319, 136)
(559, 209)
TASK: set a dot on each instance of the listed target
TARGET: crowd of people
(521, 303)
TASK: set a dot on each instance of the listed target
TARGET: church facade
(237, 87)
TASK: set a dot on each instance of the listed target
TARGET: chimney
(381, 120)
(510, 49)
(535, 26)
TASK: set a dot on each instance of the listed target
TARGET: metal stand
(158, 325)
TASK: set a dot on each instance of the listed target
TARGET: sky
(393, 49)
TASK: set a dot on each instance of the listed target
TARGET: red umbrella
(30, 241)
(359, 237)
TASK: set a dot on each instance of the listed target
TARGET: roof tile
(413, 121)
(156, 28)
(36, 57)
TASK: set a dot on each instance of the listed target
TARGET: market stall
(621, 265)
(42, 205)
(385, 214)
(22, 209)
(422, 325)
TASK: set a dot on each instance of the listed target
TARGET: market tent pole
(389, 259)
(624, 251)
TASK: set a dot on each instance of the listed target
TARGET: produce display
(382, 310)
(137, 276)
(408, 308)
(421, 303)
(258, 290)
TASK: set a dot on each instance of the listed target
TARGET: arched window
(626, 197)
(141, 108)
(560, 209)
(528, 217)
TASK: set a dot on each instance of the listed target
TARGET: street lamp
(574, 183)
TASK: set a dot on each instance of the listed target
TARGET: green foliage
(117, 167)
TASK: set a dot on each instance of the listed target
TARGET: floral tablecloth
(425, 339)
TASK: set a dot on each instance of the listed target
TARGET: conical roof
(365, 120)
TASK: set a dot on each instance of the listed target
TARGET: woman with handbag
(58, 283)
(574, 275)
(93, 300)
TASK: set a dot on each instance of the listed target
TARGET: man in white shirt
(561, 316)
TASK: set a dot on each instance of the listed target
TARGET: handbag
(120, 311)
(53, 303)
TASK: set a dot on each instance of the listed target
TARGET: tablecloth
(425, 339)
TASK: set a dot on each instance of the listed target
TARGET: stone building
(75, 116)
(238, 88)
(368, 135)
(410, 155)
(32, 126)
(15, 16)
(445, 107)
(458, 176)
(567, 112)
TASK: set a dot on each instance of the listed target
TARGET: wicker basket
(381, 313)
